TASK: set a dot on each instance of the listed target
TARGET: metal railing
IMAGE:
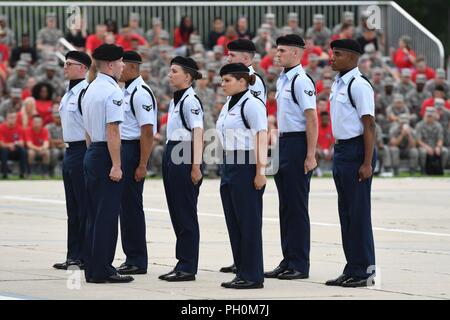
(30, 17)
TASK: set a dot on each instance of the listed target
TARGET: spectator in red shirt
(267, 61)
(230, 35)
(404, 56)
(438, 93)
(325, 141)
(12, 144)
(183, 32)
(345, 33)
(43, 93)
(271, 104)
(126, 38)
(4, 48)
(272, 136)
(310, 48)
(423, 68)
(95, 40)
(38, 143)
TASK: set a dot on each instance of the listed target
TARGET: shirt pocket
(72, 107)
(342, 98)
(286, 94)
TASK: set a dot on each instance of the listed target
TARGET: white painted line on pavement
(321, 224)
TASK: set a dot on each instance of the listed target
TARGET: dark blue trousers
(132, 218)
(75, 191)
(19, 154)
(293, 192)
(243, 205)
(182, 196)
(354, 209)
(103, 202)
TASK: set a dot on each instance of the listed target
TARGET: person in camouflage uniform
(430, 138)
(9, 39)
(13, 103)
(52, 78)
(397, 108)
(402, 144)
(319, 31)
(439, 80)
(383, 101)
(20, 77)
(405, 85)
(48, 37)
(348, 18)
(292, 24)
(57, 145)
(383, 151)
(416, 97)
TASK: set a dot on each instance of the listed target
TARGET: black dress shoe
(338, 281)
(357, 283)
(275, 272)
(163, 276)
(180, 276)
(115, 278)
(128, 269)
(69, 263)
(244, 284)
(292, 274)
(230, 269)
(228, 284)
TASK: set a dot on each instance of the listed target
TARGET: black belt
(292, 134)
(76, 144)
(130, 141)
(99, 144)
(355, 140)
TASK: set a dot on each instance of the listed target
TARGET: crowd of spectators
(412, 99)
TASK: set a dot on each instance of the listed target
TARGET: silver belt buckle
(67, 144)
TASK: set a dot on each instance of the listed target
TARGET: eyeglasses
(68, 64)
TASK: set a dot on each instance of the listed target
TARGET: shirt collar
(248, 94)
(349, 75)
(252, 71)
(189, 91)
(133, 85)
(291, 73)
(107, 78)
(76, 89)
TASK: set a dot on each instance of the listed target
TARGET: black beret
(108, 52)
(79, 56)
(291, 40)
(132, 56)
(347, 45)
(188, 64)
(234, 68)
(242, 45)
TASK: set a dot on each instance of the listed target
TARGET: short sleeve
(305, 93)
(114, 108)
(258, 90)
(364, 98)
(144, 107)
(193, 113)
(255, 114)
